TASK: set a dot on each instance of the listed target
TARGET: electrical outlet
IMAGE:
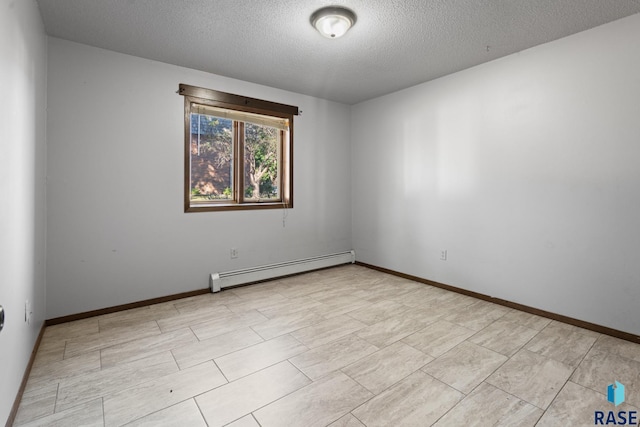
(234, 253)
(443, 255)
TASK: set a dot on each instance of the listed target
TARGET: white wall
(117, 232)
(526, 169)
(22, 188)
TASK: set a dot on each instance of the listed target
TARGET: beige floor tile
(378, 312)
(366, 272)
(332, 287)
(358, 285)
(438, 338)
(455, 301)
(340, 306)
(281, 325)
(327, 358)
(86, 415)
(388, 331)
(315, 405)
(424, 314)
(50, 350)
(400, 282)
(432, 307)
(105, 382)
(477, 315)
(201, 351)
(576, 406)
(526, 319)
(378, 292)
(246, 421)
(326, 294)
(298, 290)
(444, 302)
(327, 331)
(204, 302)
(43, 374)
(73, 329)
(340, 287)
(504, 336)
(397, 292)
(110, 337)
(257, 291)
(617, 346)
(465, 366)
(561, 344)
(600, 368)
(180, 415)
(422, 297)
(490, 406)
(145, 347)
(347, 421)
(214, 328)
(222, 405)
(288, 282)
(294, 282)
(132, 358)
(359, 282)
(252, 359)
(160, 393)
(531, 377)
(289, 306)
(195, 298)
(255, 302)
(418, 400)
(37, 403)
(137, 316)
(382, 369)
(181, 321)
(364, 289)
(356, 281)
(343, 270)
(572, 328)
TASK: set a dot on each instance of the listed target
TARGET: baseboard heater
(218, 281)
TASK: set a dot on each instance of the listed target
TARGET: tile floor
(347, 346)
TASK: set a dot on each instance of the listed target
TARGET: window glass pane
(262, 160)
(211, 158)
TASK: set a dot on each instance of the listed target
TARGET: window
(238, 152)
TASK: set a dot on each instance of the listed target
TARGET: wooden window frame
(213, 98)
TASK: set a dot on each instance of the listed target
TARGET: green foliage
(261, 148)
(219, 140)
(260, 153)
(267, 188)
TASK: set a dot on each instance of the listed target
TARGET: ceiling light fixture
(333, 21)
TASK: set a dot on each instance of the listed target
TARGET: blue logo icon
(615, 393)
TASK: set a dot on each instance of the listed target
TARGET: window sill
(214, 207)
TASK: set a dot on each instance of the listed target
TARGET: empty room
(308, 213)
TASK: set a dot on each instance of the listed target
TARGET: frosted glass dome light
(333, 21)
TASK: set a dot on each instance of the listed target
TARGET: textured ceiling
(394, 44)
